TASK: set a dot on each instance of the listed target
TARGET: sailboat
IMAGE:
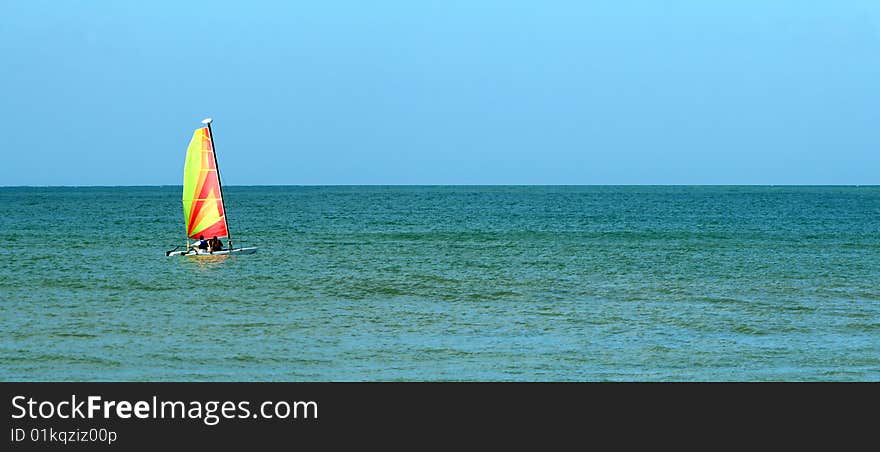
(204, 213)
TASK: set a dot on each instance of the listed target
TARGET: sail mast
(208, 121)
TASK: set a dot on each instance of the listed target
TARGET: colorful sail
(202, 200)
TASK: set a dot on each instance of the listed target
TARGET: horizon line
(455, 185)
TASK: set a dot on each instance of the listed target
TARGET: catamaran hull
(215, 253)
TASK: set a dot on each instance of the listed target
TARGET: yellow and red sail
(202, 199)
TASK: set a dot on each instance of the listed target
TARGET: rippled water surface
(445, 283)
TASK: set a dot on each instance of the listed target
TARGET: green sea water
(631, 283)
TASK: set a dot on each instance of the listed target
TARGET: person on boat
(201, 244)
(215, 245)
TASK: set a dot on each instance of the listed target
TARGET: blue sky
(443, 92)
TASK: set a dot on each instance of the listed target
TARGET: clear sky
(442, 92)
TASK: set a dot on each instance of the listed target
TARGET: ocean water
(451, 283)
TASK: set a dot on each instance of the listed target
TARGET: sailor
(202, 244)
(214, 245)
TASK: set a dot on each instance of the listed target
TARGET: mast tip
(207, 120)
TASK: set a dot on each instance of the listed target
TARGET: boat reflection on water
(204, 262)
